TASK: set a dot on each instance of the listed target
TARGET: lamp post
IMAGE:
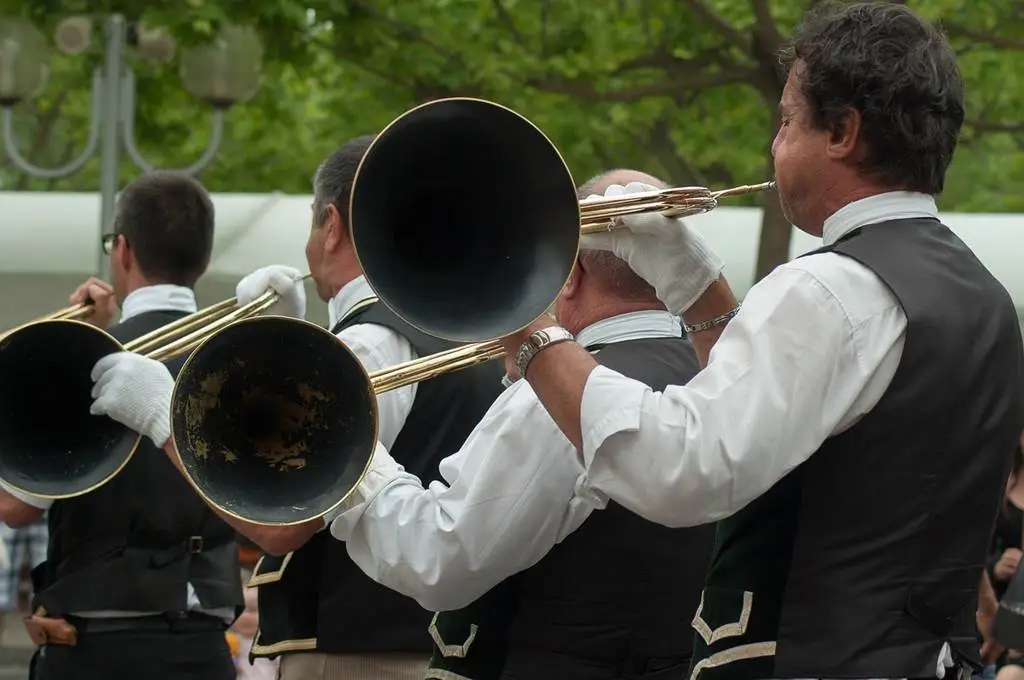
(221, 74)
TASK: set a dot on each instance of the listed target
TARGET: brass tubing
(187, 343)
(598, 216)
(155, 339)
(72, 312)
(184, 335)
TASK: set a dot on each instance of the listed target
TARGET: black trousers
(149, 655)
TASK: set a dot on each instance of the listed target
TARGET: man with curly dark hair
(854, 426)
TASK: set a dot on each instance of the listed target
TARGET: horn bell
(465, 219)
(50, 445)
(274, 419)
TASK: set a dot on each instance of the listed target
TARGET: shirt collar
(351, 294)
(630, 326)
(894, 205)
(162, 297)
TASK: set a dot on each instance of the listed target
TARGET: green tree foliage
(685, 89)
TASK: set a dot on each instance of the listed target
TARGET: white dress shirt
(509, 495)
(812, 350)
(161, 297)
(377, 348)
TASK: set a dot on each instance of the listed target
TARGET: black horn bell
(275, 420)
(50, 445)
(465, 219)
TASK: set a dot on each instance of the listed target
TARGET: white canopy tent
(49, 242)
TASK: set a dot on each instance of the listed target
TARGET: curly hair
(898, 71)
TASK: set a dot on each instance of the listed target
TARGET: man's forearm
(716, 302)
(272, 539)
(558, 376)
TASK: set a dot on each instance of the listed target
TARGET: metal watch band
(712, 323)
(538, 340)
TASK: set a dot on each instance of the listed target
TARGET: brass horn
(465, 218)
(50, 445)
(70, 313)
(466, 222)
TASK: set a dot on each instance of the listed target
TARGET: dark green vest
(864, 561)
(135, 543)
(307, 598)
(576, 623)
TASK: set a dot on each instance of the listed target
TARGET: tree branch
(765, 26)
(679, 169)
(662, 59)
(585, 91)
(992, 126)
(506, 18)
(404, 30)
(985, 37)
(717, 23)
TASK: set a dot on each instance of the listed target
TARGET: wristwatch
(538, 340)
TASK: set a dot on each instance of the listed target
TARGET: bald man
(506, 529)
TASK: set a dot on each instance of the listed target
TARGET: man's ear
(124, 254)
(335, 230)
(572, 285)
(844, 141)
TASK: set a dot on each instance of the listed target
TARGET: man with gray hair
(497, 546)
(317, 612)
(349, 626)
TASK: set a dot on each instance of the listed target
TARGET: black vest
(316, 598)
(136, 542)
(865, 560)
(611, 600)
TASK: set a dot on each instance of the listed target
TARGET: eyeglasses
(108, 240)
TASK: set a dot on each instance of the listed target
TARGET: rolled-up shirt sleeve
(507, 497)
(788, 371)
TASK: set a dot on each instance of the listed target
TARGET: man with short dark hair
(549, 589)
(854, 426)
(140, 577)
(318, 613)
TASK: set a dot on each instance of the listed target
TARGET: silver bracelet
(712, 323)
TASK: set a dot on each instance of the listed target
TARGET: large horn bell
(274, 419)
(465, 219)
(50, 445)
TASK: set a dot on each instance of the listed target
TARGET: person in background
(244, 631)
(141, 578)
(1002, 566)
(25, 546)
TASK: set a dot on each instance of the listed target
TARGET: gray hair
(332, 183)
(615, 275)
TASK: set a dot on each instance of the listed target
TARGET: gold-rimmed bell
(50, 445)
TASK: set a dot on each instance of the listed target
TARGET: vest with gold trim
(135, 543)
(864, 561)
(611, 600)
(316, 598)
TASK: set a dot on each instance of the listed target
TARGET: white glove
(135, 391)
(666, 252)
(286, 281)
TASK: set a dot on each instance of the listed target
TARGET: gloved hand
(135, 391)
(666, 252)
(285, 280)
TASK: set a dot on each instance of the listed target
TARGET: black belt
(171, 622)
